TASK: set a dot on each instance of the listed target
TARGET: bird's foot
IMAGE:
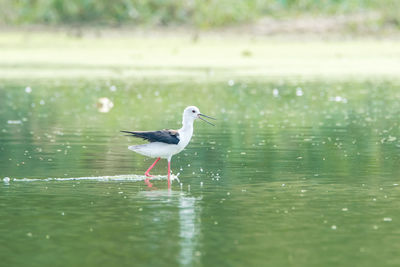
(147, 181)
(148, 174)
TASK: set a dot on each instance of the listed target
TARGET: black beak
(202, 115)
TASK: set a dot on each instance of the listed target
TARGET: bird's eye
(194, 111)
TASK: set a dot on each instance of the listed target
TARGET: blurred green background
(301, 168)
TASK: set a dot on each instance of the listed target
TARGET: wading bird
(166, 143)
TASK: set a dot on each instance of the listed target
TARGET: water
(302, 173)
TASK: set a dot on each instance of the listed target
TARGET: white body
(164, 150)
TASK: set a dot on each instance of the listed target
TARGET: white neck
(186, 132)
(187, 124)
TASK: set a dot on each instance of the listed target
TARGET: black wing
(163, 136)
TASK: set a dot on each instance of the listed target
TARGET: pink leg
(147, 181)
(169, 174)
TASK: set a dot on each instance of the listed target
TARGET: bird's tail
(135, 134)
(132, 133)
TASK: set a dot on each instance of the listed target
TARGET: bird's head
(192, 113)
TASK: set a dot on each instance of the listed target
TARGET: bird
(166, 143)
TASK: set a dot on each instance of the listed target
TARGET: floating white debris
(345, 209)
(387, 219)
(28, 90)
(42, 102)
(299, 91)
(201, 184)
(14, 121)
(6, 180)
(104, 104)
(333, 227)
(113, 88)
(275, 92)
(231, 82)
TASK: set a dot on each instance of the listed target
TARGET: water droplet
(333, 227)
(28, 90)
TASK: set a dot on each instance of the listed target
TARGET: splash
(127, 177)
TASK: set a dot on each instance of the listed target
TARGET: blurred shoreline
(302, 48)
(306, 27)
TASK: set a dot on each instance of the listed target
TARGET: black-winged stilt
(166, 143)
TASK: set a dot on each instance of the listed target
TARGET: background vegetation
(193, 13)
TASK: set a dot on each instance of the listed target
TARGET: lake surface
(295, 173)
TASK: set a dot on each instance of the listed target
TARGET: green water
(296, 173)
